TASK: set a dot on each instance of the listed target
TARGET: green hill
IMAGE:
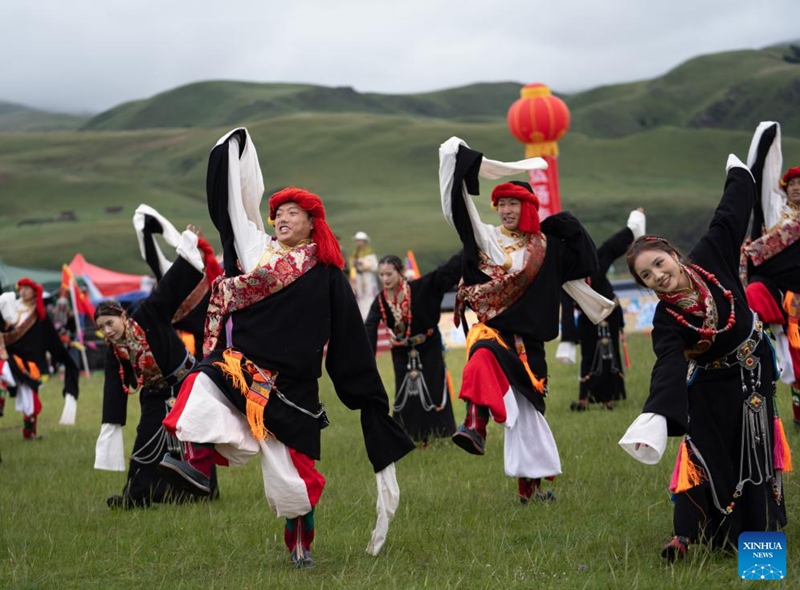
(18, 118)
(377, 173)
(219, 103)
(732, 90)
(660, 144)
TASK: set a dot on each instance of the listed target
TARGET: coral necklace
(705, 332)
(400, 304)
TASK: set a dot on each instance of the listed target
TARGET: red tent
(110, 283)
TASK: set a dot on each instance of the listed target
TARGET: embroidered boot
(531, 489)
(201, 457)
(298, 534)
(675, 549)
(29, 421)
(182, 475)
(29, 427)
(471, 435)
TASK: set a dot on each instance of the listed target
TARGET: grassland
(458, 525)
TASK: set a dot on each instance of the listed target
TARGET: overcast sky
(89, 55)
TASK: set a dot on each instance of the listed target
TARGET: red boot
(471, 435)
(675, 549)
(298, 534)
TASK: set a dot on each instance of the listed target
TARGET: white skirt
(530, 449)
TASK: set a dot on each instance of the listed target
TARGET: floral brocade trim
(400, 307)
(137, 352)
(493, 297)
(776, 240)
(194, 298)
(229, 294)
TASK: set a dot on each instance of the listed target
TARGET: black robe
(535, 315)
(710, 408)
(42, 338)
(193, 322)
(427, 293)
(287, 332)
(781, 272)
(154, 315)
(601, 378)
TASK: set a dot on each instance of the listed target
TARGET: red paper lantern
(538, 119)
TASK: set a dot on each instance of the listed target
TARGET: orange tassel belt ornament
(481, 331)
(236, 367)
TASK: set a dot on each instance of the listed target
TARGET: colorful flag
(70, 284)
(411, 264)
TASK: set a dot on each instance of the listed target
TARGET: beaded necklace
(400, 304)
(134, 349)
(707, 331)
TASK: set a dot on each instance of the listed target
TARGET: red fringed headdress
(328, 250)
(37, 288)
(213, 268)
(529, 217)
(790, 173)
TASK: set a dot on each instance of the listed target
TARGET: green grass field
(459, 524)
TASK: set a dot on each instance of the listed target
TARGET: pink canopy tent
(108, 282)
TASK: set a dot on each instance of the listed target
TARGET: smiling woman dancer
(411, 310)
(713, 382)
(146, 354)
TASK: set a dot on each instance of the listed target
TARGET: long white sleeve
(189, 251)
(771, 197)
(595, 306)
(566, 352)
(245, 191)
(637, 223)
(490, 169)
(8, 307)
(388, 500)
(109, 451)
(170, 234)
(646, 439)
(70, 411)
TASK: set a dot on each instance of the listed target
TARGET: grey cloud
(92, 54)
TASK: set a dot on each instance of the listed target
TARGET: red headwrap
(529, 214)
(213, 268)
(328, 249)
(37, 288)
(790, 173)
